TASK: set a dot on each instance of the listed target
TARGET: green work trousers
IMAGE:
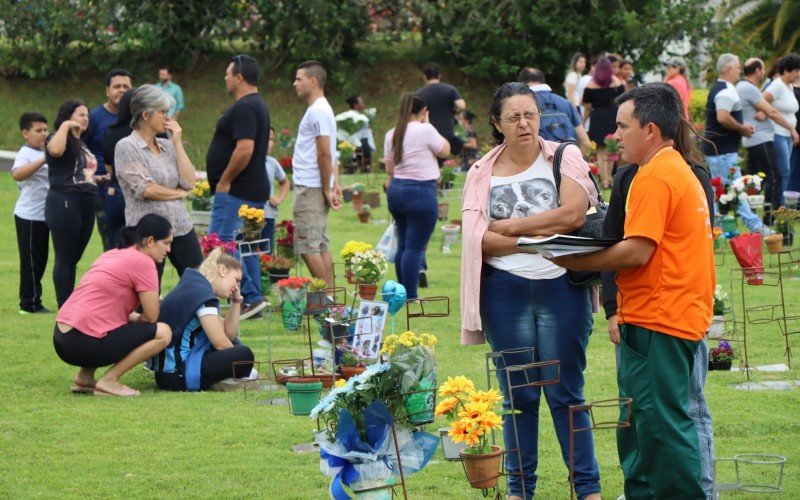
(659, 452)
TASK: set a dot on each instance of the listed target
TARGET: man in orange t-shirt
(666, 282)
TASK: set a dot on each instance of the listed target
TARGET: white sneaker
(621, 497)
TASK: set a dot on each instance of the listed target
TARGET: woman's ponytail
(210, 266)
(150, 225)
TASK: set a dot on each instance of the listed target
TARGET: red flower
(295, 282)
(266, 258)
(286, 162)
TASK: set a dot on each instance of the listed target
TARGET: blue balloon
(395, 294)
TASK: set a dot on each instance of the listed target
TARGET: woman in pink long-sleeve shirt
(523, 303)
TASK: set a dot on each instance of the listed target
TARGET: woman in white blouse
(779, 93)
(156, 175)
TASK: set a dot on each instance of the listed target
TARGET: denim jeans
(115, 213)
(225, 221)
(719, 166)
(783, 146)
(555, 319)
(698, 410)
(252, 266)
(414, 208)
(794, 170)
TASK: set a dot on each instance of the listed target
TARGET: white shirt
(318, 121)
(274, 173)
(727, 98)
(527, 193)
(572, 79)
(785, 102)
(33, 190)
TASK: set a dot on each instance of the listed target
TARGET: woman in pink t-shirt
(410, 151)
(98, 326)
(676, 76)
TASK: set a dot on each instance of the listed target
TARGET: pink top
(420, 145)
(475, 221)
(109, 292)
(685, 93)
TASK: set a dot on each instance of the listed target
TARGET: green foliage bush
(493, 40)
(697, 106)
(42, 38)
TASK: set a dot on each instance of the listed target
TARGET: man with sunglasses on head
(235, 162)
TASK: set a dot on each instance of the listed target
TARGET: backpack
(554, 124)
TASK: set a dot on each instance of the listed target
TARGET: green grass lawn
(53, 443)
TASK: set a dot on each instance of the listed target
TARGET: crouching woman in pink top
(524, 304)
(98, 326)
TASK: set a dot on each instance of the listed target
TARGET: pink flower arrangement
(211, 241)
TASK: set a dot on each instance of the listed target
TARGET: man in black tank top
(725, 128)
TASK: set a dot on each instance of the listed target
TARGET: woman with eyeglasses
(410, 152)
(521, 303)
(156, 175)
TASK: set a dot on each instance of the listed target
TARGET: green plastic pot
(304, 394)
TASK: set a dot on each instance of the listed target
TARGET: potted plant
(721, 357)
(200, 202)
(612, 147)
(443, 209)
(278, 267)
(783, 220)
(292, 292)
(358, 195)
(774, 242)
(373, 199)
(347, 152)
(718, 239)
(304, 394)
(350, 249)
(717, 328)
(473, 417)
(414, 359)
(363, 213)
(447, 177)
(284, 239)
(357, 418)
(253, 222)
(368, 269)
(315, 296)
(351, 363)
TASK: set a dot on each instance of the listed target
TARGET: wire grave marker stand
(751, 470)
(437, 307)
(527, 374)
(605, 422)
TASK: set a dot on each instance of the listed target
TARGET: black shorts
(78, 349)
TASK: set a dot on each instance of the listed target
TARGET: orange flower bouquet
(472, 413)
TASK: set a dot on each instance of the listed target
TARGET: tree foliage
(494, 38)
(773, 24)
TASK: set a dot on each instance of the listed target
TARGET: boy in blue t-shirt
(30, 172)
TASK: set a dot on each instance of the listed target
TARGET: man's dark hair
(530, 75)
(626, 62)
(316, 70)
(658, 103)
(614, 58)
(352, 100)
(28, 118)
(117, 72)
(164, 66)
(247, 66)
(431, 70)
(789, 63)
(753, 67)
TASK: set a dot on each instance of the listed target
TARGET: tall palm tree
(775, 23)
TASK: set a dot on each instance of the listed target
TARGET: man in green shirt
(166, 84)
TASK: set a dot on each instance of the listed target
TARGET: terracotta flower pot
(443, 206)
(351, 371)
(774, 242)
(363, 218)
(367, 291)
(483, 470)
(373, 199)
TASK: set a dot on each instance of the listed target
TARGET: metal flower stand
(751, 472)
(533, 374)
(605, 422)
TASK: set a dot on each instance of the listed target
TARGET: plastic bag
(748, 251)
(388, 242)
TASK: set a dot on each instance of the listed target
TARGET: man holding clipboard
(666, 282)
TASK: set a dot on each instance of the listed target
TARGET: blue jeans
(783, 146)
(252, 265)
(555, 319)
(794, 171)
(700, 414)
(225, 221)
(719, 166)
(115, 213)
(414, 208)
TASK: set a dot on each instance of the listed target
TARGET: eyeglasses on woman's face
(514, 119)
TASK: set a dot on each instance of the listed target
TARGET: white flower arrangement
(351, 121)
(369, 267)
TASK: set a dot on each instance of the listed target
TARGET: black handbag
(592, 226)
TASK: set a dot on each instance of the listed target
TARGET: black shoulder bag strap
(557, 171)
